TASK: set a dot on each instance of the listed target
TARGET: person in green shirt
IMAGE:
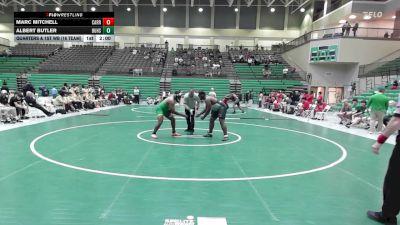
(378, 105)
(167, 108)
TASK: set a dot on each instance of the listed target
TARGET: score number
(108, 25)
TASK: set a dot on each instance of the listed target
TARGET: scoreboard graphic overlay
(64, 26)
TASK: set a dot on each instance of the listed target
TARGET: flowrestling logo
(188, 221)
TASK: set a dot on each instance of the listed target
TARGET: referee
(190, 100)
(391, 186)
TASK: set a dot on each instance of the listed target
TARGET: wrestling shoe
(225, 138)
(208, 135)
(377, 216)
(154, 136)
(175, 134)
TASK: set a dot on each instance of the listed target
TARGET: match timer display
(64, 26)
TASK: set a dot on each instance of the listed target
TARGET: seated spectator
(31, 101)
(301, 106)
(28, 87)
(343, 114)
(249, 61)
(320, 97)
(395, 85)
(63, 102)
(390, 112)
(8, 114)
(44, 90)
(319, 107)
(17, 101)
(358, 114)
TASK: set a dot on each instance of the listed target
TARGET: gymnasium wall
(351, 53)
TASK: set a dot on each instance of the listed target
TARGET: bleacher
(11, 80)
(256, 72)
(15, 64)
(391, 94)
(35, 50)
(149, 86)
(388, 68)
(123, 61)
(269, 85)
(221, 86)
(56, 80)
(193, 65)
(77, 59)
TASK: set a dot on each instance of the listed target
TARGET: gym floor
(103, 168)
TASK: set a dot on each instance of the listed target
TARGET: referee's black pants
(190, 119)
(391, 187)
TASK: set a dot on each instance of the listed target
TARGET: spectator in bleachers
(378, 105)
(17, 101)
(390, 112)
(4, 87)
(31, 101)
(346, 109)
(285, 72)
(249, 61)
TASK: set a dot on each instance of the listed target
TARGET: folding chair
(321, 115)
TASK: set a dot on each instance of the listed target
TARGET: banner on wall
(326, 53)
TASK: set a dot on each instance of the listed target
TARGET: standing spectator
(353, 89)
(348, 28)
(355, 28)
(378, 105)
(166, 45)
(344, 28)
(386, 35)
(136, 94)
(309, 78)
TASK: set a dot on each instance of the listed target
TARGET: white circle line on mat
(333, 164)
(155, 141)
